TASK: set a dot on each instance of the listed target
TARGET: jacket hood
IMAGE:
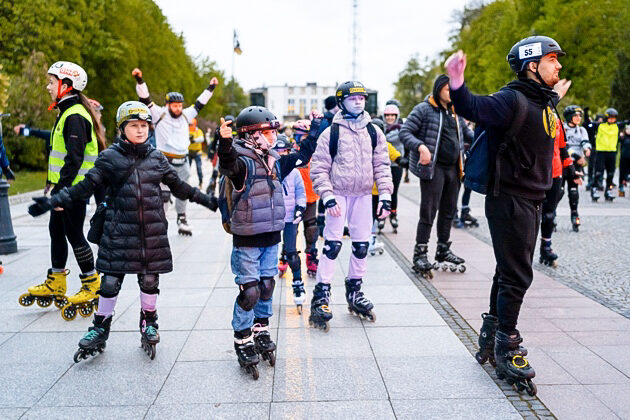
(533, 90)
(128, 148)
(355, 124)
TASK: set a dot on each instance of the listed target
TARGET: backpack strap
(334, 141)
(372, 132)
(510, 136)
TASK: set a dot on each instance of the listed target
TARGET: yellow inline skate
(52, 290)
(85, 301)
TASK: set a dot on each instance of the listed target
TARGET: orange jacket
(311, 197)
(560, 160)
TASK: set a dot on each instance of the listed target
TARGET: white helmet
(67, 70)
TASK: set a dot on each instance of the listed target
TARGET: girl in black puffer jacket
(134, 239)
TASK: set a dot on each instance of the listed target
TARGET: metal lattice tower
(355, 23)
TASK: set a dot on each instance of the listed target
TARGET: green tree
(415, 82)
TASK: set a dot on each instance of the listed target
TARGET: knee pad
(548, 217)
(360, 249)
(149, 283)
(574, 195)
(331, 249)
(110, 286)
(293, 259)
(266, 286)
(248, 296)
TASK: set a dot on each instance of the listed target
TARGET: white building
(291, 103)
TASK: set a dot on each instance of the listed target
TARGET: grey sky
(295, 41)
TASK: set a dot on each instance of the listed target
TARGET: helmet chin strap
(60, 94)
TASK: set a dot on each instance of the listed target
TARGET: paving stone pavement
(577, 345)
(409, 364)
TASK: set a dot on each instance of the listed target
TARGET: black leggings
(572, 188)
(397, 173)
(309, 221)
(549, 206)
(605, 161)
(69, 224)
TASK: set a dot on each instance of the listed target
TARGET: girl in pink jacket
(351, 156)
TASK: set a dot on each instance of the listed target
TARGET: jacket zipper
(437, 145)
(140, 198)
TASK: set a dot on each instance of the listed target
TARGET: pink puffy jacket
(356, 166)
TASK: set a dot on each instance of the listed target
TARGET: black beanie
(439, 83)
(330, 103)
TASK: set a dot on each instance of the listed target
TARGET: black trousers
(69, 224)
(397, 173)
(605, 161)
(439, 193)
(549, 206)
(572, 188)
(513, 223)
(624, 169)
(466, 197)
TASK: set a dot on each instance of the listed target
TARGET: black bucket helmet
(531, 49)
(255, 118)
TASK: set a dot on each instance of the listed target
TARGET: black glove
(208, 201)
(41, 206)
(314, 131)
(298, 213)
(9, 174)
(330, 203)
(210, 155)
(403, 162)
(383, 206)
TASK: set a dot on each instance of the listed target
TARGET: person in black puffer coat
(435, 136)
(134, 239)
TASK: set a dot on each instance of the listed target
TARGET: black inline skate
(95, 340)
(547, 256)
(393, 219)
(421, 264)
(246, 353)
(265, 346)
(595, 194)
(486, 339)
(183, 228)
(446, 260)
(149, 330)
(511, 363)
(575, 221)
(380, 223)
(466, 219)
(358, 304)
(320, 311)
(299, 294)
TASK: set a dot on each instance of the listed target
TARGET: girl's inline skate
(265, 346)
(52, 290)
(149, 330)
(247, 355)
(358, 304)
(320, 311)
(95, 340)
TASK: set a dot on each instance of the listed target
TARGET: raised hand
(455, 66)
(225, 131)
(137, 73)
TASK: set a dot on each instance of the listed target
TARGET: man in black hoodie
(517, 186)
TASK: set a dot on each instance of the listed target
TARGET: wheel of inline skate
(531, 388)
(78, 356)
(380, 252)
(453, 268)
(151, 351)
(26, 299)
(481, 359)
(271, 356)
(86, 310)
(69, 312)
(371, 316)
(299, 309)
(253, 369)
(61, 302)
(44, 301)
(462, 268)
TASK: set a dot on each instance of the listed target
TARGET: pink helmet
(391, 109)
(302, 125)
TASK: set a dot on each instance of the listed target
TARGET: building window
(291, 106)
(302, 107)
(303, 90)
(290, 90)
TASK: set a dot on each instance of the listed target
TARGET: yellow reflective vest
(607, 137)
(58, 152)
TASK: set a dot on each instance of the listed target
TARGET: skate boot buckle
(519, 362)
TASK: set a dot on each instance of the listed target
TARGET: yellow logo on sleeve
(549, 121)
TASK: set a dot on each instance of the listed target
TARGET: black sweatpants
(549, 206)
(513, 223)
(69, 224)
(397, 173)
(605, 161)
(439, 193)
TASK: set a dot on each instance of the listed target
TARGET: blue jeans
(197, 159)
(250, 264)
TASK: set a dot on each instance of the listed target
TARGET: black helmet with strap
(531, 49)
